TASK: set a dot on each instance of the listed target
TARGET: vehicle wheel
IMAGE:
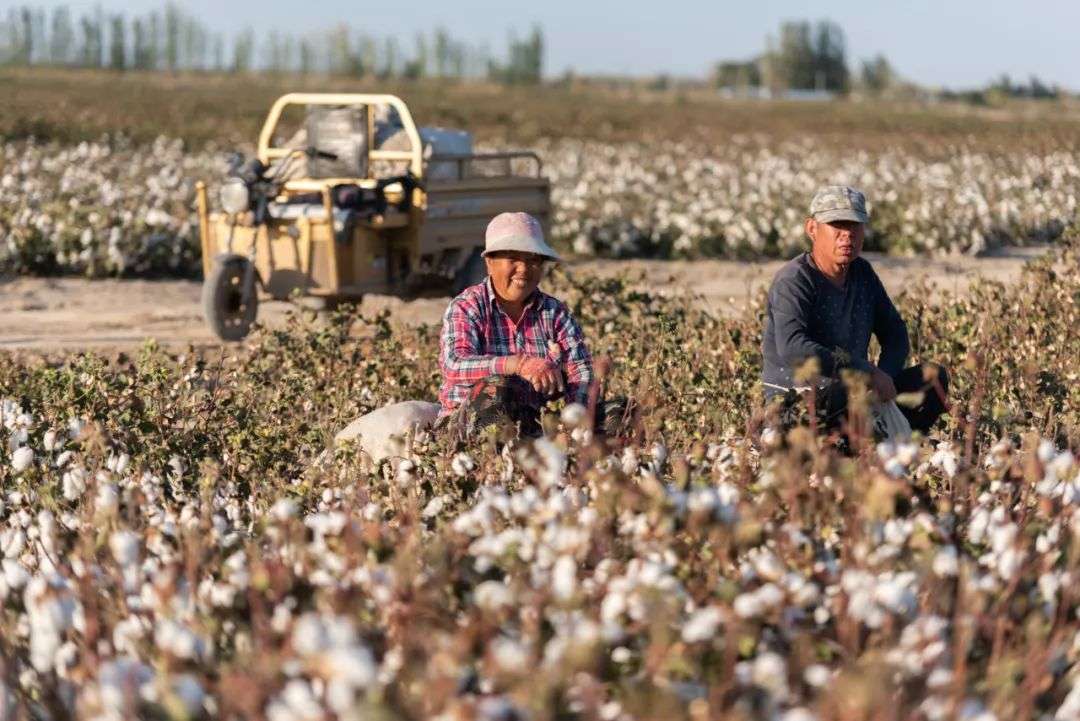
(474, 271)
(222, 298)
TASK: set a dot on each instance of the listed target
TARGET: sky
(938, 43)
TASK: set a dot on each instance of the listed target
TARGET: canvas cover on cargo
(341, 132)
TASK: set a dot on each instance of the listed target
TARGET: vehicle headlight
(235, 196)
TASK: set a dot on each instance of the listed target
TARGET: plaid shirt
(478, 337)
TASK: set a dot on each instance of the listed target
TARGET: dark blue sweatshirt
(809, 316)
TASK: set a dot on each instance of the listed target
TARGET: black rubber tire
(228, 317)
(474, 271)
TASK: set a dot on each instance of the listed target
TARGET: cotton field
(177, 543)
(552, 578)
(110, 208)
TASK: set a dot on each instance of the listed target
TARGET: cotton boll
(564, 578)
(15, 576)
(125, 547)
(120, 679)
(283, 510)
(462, 464)
(405, 475)
(492, 596)
(946, 562)
(433, 507)
(977, 526)
(574, 414)
(552, 462)
(50, 440)
(179, 640)
(817, 675)
(21, 459)
(613, 606)
(748, 605)
(309, 635)
(352, 664)
(1003, 536)
(770, 438)
(47, 530)
(118, 463)
(766, 564)
(702, 625)
(73, 484)
(509, 655)
(939, 679)
(769, 671)
(296, 702)
(702, 501)
(659, 454)
(12, 542)
(107, 501)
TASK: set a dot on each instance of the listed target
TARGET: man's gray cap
(839, 202)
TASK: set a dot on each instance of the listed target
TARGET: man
(824, 305)
(506, 347)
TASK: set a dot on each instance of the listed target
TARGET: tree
(307, 56)
(219, 52)
(367, 55)
(26, 46)
(275, 53)
(142, 54)
(418, 66)
(192, 44)
(61, 37)
(340, 50)
(118, 43)
(808, 58)
(153, 47)
(829, 59)
(390, 58)
(9, 38)
(91, 44)
(736, 74)
(37, 37)
(877, 75)
(525, 62)
(442, 52)
(172, 37)
(243, 51)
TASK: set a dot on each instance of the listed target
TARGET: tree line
(173, 40)
(806, 56)
(803, 57)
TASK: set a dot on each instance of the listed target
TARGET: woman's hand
(544, 377)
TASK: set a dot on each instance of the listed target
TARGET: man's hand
(882, 385)
(544, 377)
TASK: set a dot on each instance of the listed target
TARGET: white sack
(380, 433)
(891, 421)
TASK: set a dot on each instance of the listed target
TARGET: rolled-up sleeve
(461, 354)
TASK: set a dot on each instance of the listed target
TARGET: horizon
(981, 41)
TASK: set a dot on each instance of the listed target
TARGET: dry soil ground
(52, 314)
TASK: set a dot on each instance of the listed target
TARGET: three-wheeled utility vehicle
(358, 200)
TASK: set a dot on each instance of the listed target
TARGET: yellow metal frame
(414, 156)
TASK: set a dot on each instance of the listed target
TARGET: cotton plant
(112, 208)
(171, 547)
